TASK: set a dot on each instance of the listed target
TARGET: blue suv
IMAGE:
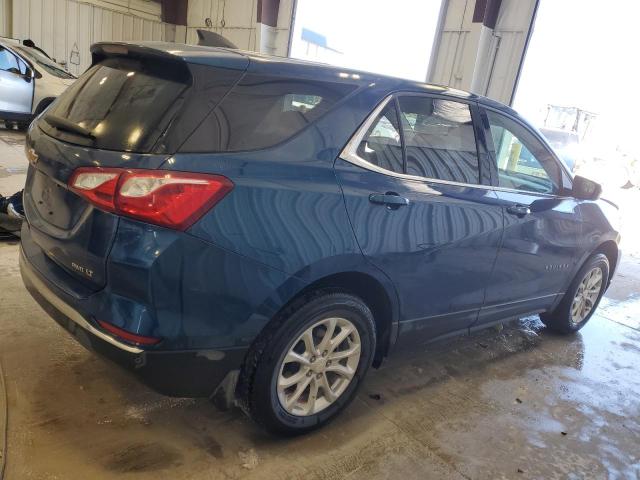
(261, 231)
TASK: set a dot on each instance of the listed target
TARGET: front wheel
(582, 298)
(306, 368)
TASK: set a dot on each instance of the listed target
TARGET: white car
(29, 82)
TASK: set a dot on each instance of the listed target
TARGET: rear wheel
(581, 300)
(307, 367)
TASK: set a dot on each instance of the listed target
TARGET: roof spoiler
(213, 39)
(160, 63)
(102, 50)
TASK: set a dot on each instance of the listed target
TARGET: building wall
(65, 29)
(508, 48)
(462, 58)
(5, 17)
(236, 20)
(463, 61)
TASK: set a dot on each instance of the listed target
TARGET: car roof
(269, 64)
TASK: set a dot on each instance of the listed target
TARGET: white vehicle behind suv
(29, 82)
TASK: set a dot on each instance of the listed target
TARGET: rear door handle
(390, 199)
(518, 210)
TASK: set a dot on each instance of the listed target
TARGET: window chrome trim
(348, 154)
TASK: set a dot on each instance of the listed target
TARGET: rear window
(262, 111)
(120, 104)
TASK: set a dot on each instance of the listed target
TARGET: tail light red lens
(128, 336)
(170, 199)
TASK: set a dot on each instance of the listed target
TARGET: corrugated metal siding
(507, 50)
(458, 48)
(236, 20)
(455, 56)
(508, 45)
(148, 9)
(66, 28)
(449, 69)
(5, 18)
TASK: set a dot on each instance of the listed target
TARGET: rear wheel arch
(373, 294)
(362, 285)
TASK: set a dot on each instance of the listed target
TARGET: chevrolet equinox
(261, 230)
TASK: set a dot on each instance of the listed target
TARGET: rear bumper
(185, 373)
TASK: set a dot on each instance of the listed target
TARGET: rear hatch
(131, 109)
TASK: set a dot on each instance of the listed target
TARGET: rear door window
(439, 139)
(262, 111)
(120, 104)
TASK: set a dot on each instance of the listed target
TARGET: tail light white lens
(174, 200)
(97, 186)
(91, 181)
(170, 199)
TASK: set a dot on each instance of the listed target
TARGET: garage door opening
(388, 38)
(574, 88)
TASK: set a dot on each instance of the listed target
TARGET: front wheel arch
(44, 103)
(560, 318)
(611, 251)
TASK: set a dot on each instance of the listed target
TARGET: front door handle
(390, 199)
(518, 210)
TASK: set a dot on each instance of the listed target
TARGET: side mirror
(28, 75)
(585, 189)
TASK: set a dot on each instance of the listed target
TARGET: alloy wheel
(586, 295)
(319, 366)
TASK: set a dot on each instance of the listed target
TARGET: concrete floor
(517, 403)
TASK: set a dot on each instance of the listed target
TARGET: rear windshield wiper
(67, 125)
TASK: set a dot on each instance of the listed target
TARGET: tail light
(170, 199)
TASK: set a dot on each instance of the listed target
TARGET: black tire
(257, 391)
(560, 319)
(22, 126)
